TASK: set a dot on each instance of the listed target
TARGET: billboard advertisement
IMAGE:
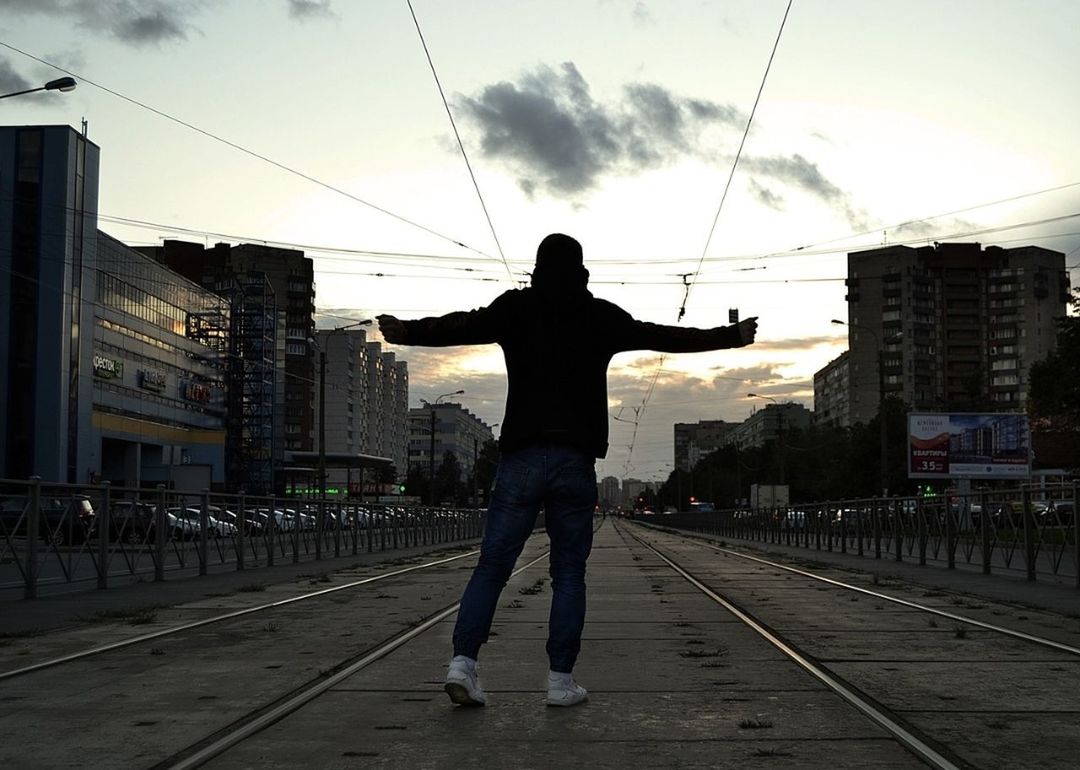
(968, 445)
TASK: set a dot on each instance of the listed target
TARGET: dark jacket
(557, 343)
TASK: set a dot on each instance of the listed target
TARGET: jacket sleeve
(473, 327)
(631, 334)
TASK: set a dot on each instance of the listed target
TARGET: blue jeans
(563, 481)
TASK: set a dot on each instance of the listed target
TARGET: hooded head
(559, 263)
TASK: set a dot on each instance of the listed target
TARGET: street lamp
(431, 454)
(60, 84)
(476, 465)
(322, 401)
(881, 395)
(779, 430)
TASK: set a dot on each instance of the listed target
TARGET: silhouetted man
(557, 340)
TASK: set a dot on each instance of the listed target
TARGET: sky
(320, 125)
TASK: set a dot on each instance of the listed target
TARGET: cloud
(10, 79)
(765, 196)
(557, 138)
(310, 9)
(136, 22)
(802, 174)
(642, 15)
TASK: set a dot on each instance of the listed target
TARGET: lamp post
(431, 453)
(60, 84)
(881, 396)
(476, 466)
(779, 429)
(322, 401)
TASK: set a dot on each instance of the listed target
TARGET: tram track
(185, 627)
(848, 674)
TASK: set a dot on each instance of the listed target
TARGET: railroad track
(921, 678)
(900, 663)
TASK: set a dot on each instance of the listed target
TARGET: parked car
(1056, 513)
(215, 528)
(61, 520)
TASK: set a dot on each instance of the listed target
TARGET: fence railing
(61, 533)
(1032, 530)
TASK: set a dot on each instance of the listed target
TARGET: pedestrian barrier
(63, 533)
(1033, 529)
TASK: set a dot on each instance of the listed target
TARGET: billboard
(968, 445)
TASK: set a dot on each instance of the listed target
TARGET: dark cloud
(931, 228)
(137, 22)
(10, 79)
(551, 131)
(765, 196)
(310, 9)
(802, 174)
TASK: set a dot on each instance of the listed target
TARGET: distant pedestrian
(557, 340)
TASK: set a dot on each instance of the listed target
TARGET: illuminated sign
(151, 380)
(195, 392)
(969, 445)
(108, 368)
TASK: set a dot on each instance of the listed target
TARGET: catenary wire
(246, 151)
(457, 136)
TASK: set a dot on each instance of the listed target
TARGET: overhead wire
(252, 153)
(457, 135)
(689, 284)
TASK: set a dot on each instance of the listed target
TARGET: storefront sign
(108, 368)
(196, 392)
(151, 380)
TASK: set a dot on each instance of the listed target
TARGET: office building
(114, 367)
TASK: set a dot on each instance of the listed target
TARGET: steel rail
(1059, 646)
(911, 741)
(219, 618)
(308, 694)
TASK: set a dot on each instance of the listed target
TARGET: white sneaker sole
(459, 694)
(568, 701)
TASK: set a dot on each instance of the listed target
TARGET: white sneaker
(462, 683)
(565, 692)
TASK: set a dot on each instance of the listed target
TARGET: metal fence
(1031, 530)
(62, 533)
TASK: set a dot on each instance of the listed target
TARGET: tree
(1054, 393)
(448, 479)
(487, 462)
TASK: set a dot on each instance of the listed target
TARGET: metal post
(241, 526)
(271, 532)
(898, 532)
(1029, 533)
(320, 511)
(877, 529)
(32, 523)
(161, 522)
(859, 515)
(431, 458)
(204, 531)
(950, 529)
(102, 524)
(297, 526)
(984, 532)
(1076, 532)
(322, 429)
(920, 512)
(338, 520)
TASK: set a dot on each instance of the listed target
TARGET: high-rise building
(456, 430)
(950, 326)
(608, 492)
(832, 402)
(769, 424)
(696, 439)
(291, 277)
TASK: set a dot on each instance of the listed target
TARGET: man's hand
(393, 330)
(747, 330)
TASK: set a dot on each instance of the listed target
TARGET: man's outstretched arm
(475, 327)
(681, 339)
